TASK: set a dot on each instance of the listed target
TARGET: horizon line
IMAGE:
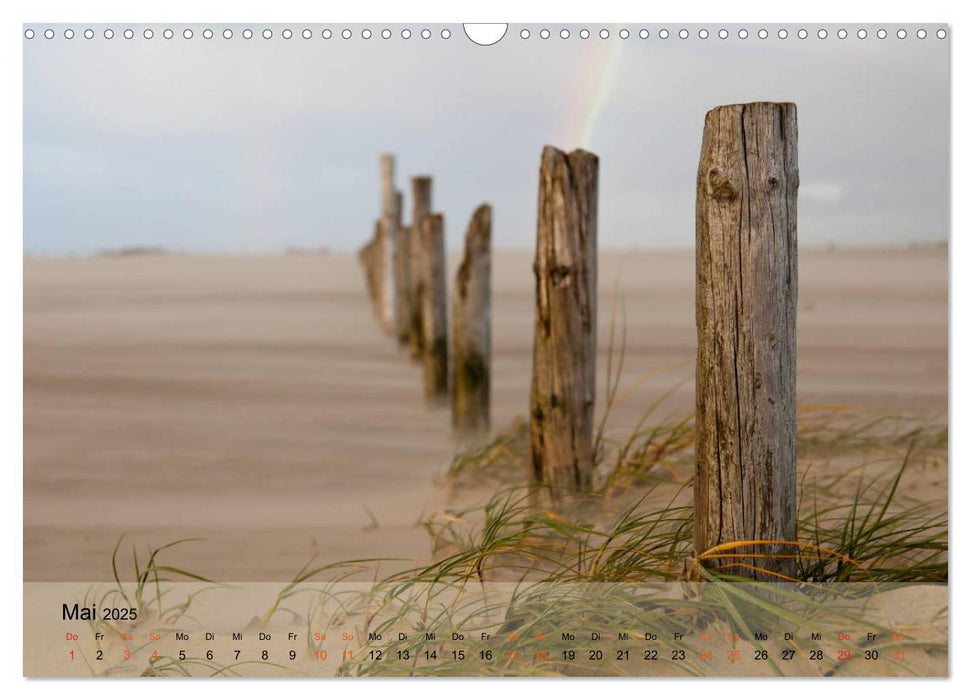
(160, 251)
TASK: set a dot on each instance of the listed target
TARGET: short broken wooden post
(472, 329)
(384, 275)
(433, 313)
(368, 256)
(421, 204)
(745, 296)
(565, 339)
(402, 273)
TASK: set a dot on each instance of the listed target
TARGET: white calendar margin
(438, 11)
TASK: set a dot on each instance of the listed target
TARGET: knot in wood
(720, 187)
(561, 274)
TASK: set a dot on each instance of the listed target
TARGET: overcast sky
(259, 145)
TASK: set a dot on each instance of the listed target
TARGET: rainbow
(596, 87)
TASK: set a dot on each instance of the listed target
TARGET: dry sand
(253, 401)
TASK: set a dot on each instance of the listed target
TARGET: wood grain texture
(564, 346)
(421, 204)
(472, 329)
(746, 290)
(433, 314)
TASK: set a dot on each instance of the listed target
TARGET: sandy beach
(253, 401)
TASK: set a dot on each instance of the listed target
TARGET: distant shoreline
(158, 251)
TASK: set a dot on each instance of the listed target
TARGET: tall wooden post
(745, 444)
(472, 329)
(421, 204)
(387, 239)
(402, 273)
(564, 347)
(386, 166)
(433, 314)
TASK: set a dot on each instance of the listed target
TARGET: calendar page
(383, 349)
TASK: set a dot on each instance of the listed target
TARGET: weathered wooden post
(362, 258)
(472, 329)
(387, 237)
(565, 338)
(433, 313)
(402, 273)
(745, 444)
(421, 204)
(386, 166)
(368, 258)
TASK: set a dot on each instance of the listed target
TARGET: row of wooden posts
(405, 270)
(746, 291)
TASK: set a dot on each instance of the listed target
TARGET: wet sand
(253, 401)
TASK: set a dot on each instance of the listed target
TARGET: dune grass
(855, 522)
(625, 563)
(867, 530)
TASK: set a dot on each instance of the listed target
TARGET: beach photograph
(594, 328)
